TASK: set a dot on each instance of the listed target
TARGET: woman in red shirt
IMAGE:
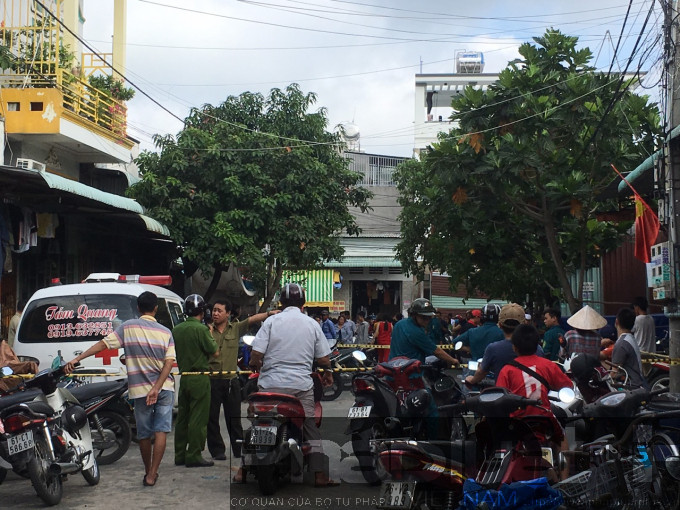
(383, 336)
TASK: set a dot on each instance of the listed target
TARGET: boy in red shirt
(525, 340)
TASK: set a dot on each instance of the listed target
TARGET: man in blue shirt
(434, 329)
(410, 338)
(476, 340)
(499, 354)
(328, 328)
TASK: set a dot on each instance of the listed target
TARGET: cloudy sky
(359, 56)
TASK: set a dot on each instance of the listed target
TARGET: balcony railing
(90, 104)
(376, 170)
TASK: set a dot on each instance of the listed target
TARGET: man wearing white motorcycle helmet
(284, 351)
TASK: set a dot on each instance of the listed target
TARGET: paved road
(181, 487)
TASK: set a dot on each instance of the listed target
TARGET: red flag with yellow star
(646, 229)
(646, 225)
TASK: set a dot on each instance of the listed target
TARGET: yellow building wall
(37, 121)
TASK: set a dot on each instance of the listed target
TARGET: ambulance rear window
(83, 318)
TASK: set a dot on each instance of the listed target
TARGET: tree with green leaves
(508, 201)
(257, 181)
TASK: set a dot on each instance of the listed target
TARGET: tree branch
(525, 208)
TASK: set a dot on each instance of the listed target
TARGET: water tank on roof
(469, 62)
(349, 131)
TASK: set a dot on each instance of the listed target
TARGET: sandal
(147, 484)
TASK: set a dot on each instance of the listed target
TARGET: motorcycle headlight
(613, 400)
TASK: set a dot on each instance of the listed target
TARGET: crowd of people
(514, 348)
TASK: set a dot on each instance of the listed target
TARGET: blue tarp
(528, 495)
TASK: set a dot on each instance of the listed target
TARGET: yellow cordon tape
(376, 346)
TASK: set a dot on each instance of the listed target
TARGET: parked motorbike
(343, 358)
(425, 474)
(48, 437)
(430, 474)
(391, 404)
(109, 416)
(622, 467)
(273, 446)
(659, 375)
(513, 449)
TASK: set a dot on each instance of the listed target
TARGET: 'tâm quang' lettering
(57, 313)
(85, 313)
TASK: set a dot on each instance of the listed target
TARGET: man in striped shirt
(149, 357)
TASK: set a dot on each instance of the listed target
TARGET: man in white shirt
(284, 351)
(644, 328)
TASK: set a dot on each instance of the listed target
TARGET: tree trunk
(217, 274)
(582, 269)
(557, 259)
(273, 284)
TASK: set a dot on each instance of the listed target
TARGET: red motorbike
(273, 447)
(426, 474)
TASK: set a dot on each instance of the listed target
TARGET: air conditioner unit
(30, 164)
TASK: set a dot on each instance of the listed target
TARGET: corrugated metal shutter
(318, 285)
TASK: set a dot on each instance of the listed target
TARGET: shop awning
(318, 285)
(61, 183)
(51, 193)
(364, 262)
(457, 303)
(155, 226)
(367, 251)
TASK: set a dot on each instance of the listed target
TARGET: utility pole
(672, 184)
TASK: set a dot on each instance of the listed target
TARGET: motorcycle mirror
(248, 339)
(359, 355)
(673, 467)
(566, 395)
(6, 371)
(458, 346)
(472, 365)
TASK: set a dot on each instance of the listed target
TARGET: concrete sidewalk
(121, 486)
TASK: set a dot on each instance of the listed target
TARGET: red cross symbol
(106, 355)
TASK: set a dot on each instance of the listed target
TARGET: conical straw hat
(587, 318)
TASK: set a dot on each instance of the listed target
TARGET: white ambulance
(68, 319)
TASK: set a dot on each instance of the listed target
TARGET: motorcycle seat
(89, 391)
(398, 371)
(270, 396)
(37, 407)
(18, 397)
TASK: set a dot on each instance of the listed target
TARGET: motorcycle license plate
(20, 442)
(397, 495)
(359, 412)
(547, 455)
(263, 436)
